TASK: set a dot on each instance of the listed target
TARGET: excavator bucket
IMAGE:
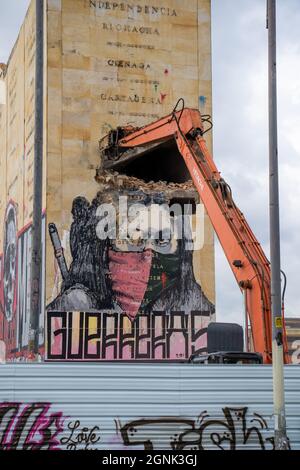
(153, 161)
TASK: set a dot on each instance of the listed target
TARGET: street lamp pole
(281, 441)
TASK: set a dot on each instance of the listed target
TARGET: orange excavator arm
(245, 255)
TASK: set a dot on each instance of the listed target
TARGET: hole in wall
(163, 164)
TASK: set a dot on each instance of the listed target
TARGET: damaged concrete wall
(112, 64)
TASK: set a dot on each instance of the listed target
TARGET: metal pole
(36, 256)
(281, 441)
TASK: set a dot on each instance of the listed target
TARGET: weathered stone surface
(106, 64)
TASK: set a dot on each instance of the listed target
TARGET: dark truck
(225, 345)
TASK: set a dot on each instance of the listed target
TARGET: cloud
(240, 100)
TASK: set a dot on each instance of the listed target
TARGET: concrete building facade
(106, 64)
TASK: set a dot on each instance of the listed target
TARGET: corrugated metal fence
(137, 406)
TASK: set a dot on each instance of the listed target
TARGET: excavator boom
(245, 255)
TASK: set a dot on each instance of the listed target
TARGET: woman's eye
(160, 242)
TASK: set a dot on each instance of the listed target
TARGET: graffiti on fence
(29, 427)
(236, 430)
(81, 436)
(37, 426)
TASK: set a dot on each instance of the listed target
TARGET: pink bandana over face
(130, 275)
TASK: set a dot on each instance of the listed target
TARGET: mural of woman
(130, 275)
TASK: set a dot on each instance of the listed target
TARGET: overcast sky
(240, 126)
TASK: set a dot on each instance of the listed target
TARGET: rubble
(108, 179)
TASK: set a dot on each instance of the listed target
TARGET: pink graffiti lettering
(29, 427)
